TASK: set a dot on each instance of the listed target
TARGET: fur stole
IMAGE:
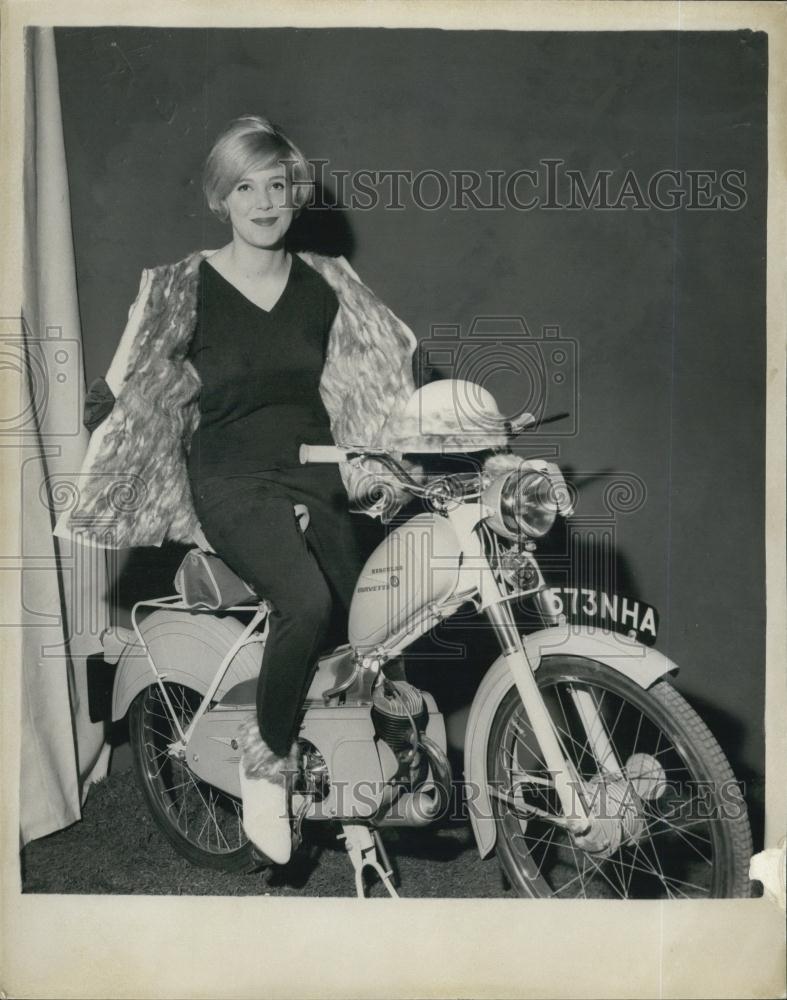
(134, 487)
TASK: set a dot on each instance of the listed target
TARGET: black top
(260, 371)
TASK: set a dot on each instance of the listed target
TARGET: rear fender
(187, 649)
(642, 664)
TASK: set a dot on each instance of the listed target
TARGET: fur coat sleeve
(133, 487)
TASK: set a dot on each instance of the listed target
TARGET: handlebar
(325, 453)
(455, 485)
(316, 453)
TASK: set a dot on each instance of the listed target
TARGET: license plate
(611, 612)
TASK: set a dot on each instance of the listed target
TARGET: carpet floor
(117, 848)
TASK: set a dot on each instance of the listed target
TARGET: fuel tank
(416, 565)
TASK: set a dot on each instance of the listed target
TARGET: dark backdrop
(667, 307)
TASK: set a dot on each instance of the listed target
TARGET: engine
(398, 713)
(421, 790)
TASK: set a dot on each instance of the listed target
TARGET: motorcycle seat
(206, 583)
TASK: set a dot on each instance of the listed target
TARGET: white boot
(264, 789)
(266, 817)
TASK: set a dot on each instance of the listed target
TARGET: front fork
(494, 602)
(567, 785)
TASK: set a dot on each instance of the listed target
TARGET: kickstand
(366, 851)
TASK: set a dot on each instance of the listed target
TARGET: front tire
(203, 824)
(678, 814)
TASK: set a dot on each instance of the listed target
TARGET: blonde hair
(252, 143)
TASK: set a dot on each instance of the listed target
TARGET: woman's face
(260, 207)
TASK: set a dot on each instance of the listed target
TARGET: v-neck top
(260, 371)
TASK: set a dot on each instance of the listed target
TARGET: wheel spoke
(579, 876)
(617, 719)
(164, 761)
(600, 870)
(671, 829)
(681, 829)
(548, 834)
(616, 864)
(635, 745)
(660, 875)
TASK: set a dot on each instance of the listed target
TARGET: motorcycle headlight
(523, 502)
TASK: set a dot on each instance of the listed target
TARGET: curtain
(63, 582)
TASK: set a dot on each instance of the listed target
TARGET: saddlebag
(206, 583)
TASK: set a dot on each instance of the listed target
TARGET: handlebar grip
(327, 453)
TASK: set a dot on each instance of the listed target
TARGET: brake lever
(527, 421)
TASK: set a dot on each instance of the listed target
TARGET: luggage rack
(176, 602)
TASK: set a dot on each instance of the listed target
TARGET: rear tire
(202, 823)
(676, 846)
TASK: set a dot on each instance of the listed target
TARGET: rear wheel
(201, 822)
(669, 817)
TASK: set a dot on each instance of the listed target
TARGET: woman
(260, 346)
(259, 350)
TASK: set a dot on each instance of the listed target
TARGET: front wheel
(668, 818)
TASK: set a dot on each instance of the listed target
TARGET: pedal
(365, 851)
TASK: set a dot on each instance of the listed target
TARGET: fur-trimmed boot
(264, 785)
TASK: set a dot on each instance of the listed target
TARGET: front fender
(188, 649)
(642, 664)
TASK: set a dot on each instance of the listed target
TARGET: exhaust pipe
(425, 804)
(412, 809)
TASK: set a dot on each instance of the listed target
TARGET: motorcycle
(585, 771)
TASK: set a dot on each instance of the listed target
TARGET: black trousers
(308, 578)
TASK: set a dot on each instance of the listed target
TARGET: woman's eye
(278, 185)
(243, 187)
